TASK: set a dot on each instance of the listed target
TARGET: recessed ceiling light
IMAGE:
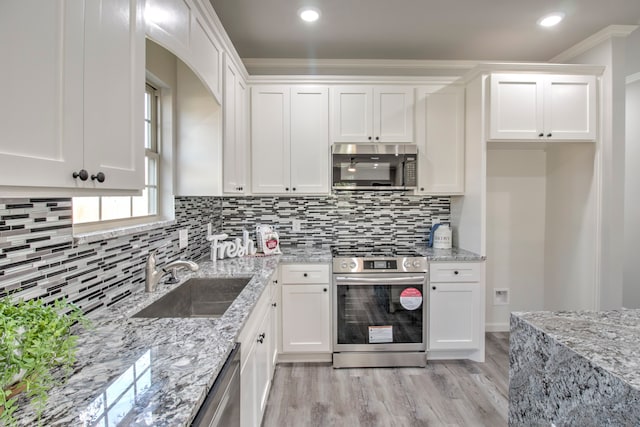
(309, 14)
(551, 19)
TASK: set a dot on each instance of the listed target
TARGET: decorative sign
(410, 298)
(380, 334)
(231, 249)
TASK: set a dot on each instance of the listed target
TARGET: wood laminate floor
(451, 393)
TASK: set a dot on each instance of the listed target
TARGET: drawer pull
(456, 272)
(305, 274)
(324, 290)
(433, 287)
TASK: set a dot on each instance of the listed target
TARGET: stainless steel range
(379, 307)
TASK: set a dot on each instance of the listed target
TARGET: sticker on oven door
(380, 334)
(411, 298)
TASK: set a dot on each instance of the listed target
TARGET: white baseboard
(304, 357)
(496, 327)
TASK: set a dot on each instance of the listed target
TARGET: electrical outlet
(183, 237)
(501, 296)
(295, 225)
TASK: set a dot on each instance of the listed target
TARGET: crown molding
(532, 68)
(632, 78)
(310, 66)
(353, 80)
(603, 35)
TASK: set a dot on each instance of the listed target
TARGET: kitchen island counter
(156, 371)
(575, 368)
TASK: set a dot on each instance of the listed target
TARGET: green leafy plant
(35, 339)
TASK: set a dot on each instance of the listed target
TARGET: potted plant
(35, 339)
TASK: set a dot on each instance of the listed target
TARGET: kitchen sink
(197, 297)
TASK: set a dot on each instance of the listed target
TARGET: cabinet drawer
(454, 272)
(305, 273)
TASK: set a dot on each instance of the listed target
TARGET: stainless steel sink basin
(197, 297)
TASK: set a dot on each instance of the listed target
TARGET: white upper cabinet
(235, 130)
(542, 107)
(440, 139)
(179, 26)
(289, 139)
(372, 114)
(73, 86)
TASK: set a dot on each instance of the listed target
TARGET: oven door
(379, 312)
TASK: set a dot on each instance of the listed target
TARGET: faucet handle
(172, 279)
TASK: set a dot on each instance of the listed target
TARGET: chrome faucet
(154, 275)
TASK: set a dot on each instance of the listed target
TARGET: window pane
(116, 207)
(86, 209)
(147, 105)
(153, 200)
(147, 134)
(140, 204)
(151, 171)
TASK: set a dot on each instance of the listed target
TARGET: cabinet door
(114, 76)
(270, 139)
(310, 139)
(393, 114)
(41, 85)
(234, 145)
(440, 139)
(351, 114)
(570, 108)
(516, 107)
(306, 318)
(249, 402)
(263, 358)
(454, 316)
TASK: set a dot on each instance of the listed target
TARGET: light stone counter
(140, 372)
(453, 254)
(575, 368)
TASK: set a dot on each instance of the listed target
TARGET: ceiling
(482, 30)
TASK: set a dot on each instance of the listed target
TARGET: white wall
(571, 212)
(610, 235)
(515, 231)
(199, 137)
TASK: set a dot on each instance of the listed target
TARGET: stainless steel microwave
(374, 166)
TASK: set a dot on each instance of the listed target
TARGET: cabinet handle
(456, 272)
(286, 189)
(275, 304)
(305, 274)
(99, 176)
(83, 175)
(324, 290)
(294, 188)
(275, 281)
(261, 338)
(549, 135)
(433, 287)
(421, 188)
(369, 138)
(541, 134)
(377, 138)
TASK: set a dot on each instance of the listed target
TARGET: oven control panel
(377, 265)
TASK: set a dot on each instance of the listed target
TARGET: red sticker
(271, 244)
(411, 298)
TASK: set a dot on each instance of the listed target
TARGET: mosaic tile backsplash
(39, 259)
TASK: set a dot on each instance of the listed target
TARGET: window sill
(95, 236)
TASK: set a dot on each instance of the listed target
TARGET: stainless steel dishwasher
(222, 405)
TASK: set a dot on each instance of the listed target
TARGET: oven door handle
(417, 280)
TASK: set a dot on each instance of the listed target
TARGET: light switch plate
(183, 236)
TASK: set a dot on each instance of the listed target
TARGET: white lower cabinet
(306, 308)
(256, 361)
(456, 310)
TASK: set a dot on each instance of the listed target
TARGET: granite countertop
(453, 254)
(150, 371)
(607, 339)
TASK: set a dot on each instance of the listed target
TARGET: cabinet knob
(275, 281)
(82, 174)
(549, 135)
(286, 189)
(261, 338)
(433, 287)
(377, 138)
(99, 176)
(369, 138)
(421, 188)
(324, 290)
(275, 304)
(541, 134)
(456, 272)
(294, 188)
